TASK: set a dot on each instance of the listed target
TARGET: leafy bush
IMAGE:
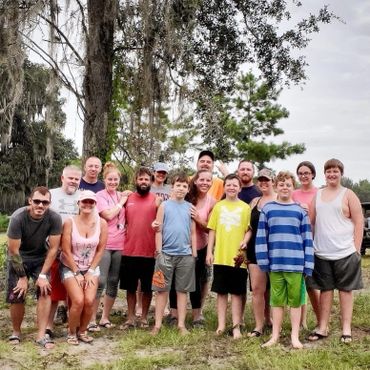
(4, 221)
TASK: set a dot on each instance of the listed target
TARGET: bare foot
(155, 331)
(236, 332)
(296, 344)
(270, 343)
(183, 330)
(220, 331)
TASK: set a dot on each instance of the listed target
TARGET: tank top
(334, 232)
(84, 249)
(203, 212)
(251, 250)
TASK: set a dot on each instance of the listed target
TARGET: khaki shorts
(166, 266)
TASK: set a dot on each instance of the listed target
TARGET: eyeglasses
(88, 201)
(300, 174)
(45, 203)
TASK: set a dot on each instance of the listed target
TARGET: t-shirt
(140, 237)
(216, 191)
(163, 191)
(63, 203)
(97, 186)
(176, 228)
(33, 233)
(203, 212)
(230, 220)
(248, 193)
(116, 232)
(304, 197)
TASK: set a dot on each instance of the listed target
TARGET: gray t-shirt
(163, 191)
(63, 203)
(33, 233)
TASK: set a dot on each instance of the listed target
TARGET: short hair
(334, 163)
(71, 167)
(43, 190)
(180, 177)
(246, 160)
(285, 175)
(309, 165)
(143, 171)
(232, 176)
(110, 167)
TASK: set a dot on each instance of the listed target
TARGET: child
(284, 249)
(228, 224)
(176, 252)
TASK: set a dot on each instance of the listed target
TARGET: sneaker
(62, 316)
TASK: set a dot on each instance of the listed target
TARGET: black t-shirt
(249, 193)
(99, 185)
(33, 233)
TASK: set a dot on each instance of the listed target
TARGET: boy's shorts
(229, 280)
(343, 274)
(135, 269)
(32, 269)
(166, 266)
(287, 289)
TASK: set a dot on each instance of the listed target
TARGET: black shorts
(229, 280)
(32, 269)
(135, 269)
(343, 274)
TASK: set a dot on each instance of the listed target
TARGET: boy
(176, 252)
(284, 249)
(228, 224)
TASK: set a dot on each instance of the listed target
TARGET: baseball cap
(160, 166)
(208, 153)
(265, 172)
(87, 194)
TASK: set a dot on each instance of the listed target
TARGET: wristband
(92, 271)
(43, 276)
(78, 272)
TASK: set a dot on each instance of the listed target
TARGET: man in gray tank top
(337, 222)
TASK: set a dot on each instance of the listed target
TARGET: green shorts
(287, 289)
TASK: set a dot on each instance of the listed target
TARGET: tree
(238, 125)
(361, 188)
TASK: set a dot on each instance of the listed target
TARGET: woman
(83, 241)
(159, 186)
(200, 211)
(258, 278)
(110, 204)
(303, 196)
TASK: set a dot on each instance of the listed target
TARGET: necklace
(115, 202)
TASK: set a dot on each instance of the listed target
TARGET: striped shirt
(284, 239)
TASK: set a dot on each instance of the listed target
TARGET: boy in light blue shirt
(175, 253)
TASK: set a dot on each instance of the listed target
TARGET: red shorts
(58, 292)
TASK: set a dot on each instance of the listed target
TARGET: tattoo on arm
(17, 264)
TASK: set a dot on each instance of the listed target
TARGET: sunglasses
(45, 203)
(88, 201)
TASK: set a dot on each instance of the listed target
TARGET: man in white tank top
(337, 223)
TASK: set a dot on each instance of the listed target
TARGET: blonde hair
(110, 167)
(285, 175)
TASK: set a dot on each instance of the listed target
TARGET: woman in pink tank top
(83, 241)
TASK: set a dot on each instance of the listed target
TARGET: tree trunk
(98, 77)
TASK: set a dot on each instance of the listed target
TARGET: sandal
(93, 328)
(14, 339)
(254, 334)
(107, 325)
(45, 343)
(83, 337)
(199, 324)
(143, 324)
(345, 338)
(49, 333)
(127, 326)
(72, 339)
(315, 336)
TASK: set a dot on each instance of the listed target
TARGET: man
(249, 190)
(33, 240)
(138, 253)
(64, 201)
(90, 180)
(337, 220)
(206, 161)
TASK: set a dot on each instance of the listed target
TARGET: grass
(201, 349)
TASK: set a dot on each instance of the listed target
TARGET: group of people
(87, 237)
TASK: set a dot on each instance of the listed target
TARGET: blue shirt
(176, 228)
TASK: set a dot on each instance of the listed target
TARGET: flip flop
(345, 338)
(14, 339)
(83, 337)
(44, 342)
(315, 336)
(127, 326)
(143, 324)
(107, 325)
(254, 334)
(93, 327)
(72, 339)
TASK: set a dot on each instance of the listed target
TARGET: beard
(142, 189)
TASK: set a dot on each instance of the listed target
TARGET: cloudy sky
(331, 112)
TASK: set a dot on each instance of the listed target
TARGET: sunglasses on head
(88, 201)
(39, 201)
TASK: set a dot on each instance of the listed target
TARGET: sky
(330, 113)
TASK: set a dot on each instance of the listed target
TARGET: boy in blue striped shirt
(284, 249)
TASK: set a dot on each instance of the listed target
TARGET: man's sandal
(127, 326)
(93, 327)
(346, 338)
(72, 339)
(315, 336)
(14, 339)
(107, 325)
(83, 337)
(46, 343)
(254, 334)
